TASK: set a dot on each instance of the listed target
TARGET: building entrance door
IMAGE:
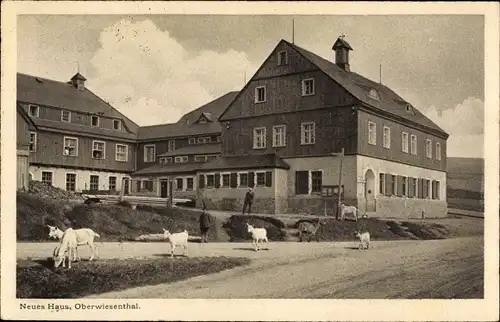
(370, 191)
(164, 188)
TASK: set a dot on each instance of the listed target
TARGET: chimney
(78, 81)
(342, 48)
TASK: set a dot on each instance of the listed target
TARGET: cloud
(465, 125)
(150, 77)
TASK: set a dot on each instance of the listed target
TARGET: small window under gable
(202, 120)
(373, 94)
(282, 57)
(117, 125)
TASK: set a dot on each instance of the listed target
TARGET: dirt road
(451, 268)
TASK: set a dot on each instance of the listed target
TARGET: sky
(155, 68)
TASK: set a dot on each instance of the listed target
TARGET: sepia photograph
(247, 156)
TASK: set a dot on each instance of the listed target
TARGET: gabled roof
(205, 148)
(78, 76)
(263, 161)
(42, 91)
(213, 108)
(341, 43)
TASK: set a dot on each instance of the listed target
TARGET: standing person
(204, 225)
(248, 201)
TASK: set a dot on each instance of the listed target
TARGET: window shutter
(399, 186)
(410, 187)
(269, 179)
(420, 188)
(234, 180)
(217, 180)
(201, 181)
(388, 186)
(251, 181)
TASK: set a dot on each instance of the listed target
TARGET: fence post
(170, 198)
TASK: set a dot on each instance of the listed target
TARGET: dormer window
(94, 120)
(282, 58)
(65, 116)
(202, 120)
(34, 110)
(373, 94)
(117, 125)
(408, 107)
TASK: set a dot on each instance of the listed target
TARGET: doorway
(126, 186)
(370, 190)
(164, 188)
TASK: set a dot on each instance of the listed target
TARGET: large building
(281, 135)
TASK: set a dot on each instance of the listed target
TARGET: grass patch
(40, 280)
(237, 230)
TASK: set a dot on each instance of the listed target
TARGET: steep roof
(263, 161)
(42, 91)
(212, 110)
(206, 148)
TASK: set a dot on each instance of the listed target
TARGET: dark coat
(204, 220)
(249, 197)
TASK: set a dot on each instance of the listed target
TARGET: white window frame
(221, 183)
(372, 133)
(37, 110)
(69, 116)
(146, 155)
(192, 141)
(413, 149)
(239, 179)
(406, 182)
(165, 160)
(66, 181)
(263, 135)
(119, 122)
(281, 135)
(386, 137)
(373, 94)
(381, 193)
(64, 146)
(415, 191)
(98, 120)
(98, 181)
(103, 150)
(116, 152)
(206, 180)
(177, 186)
(181, 159)
(304, 87)
(51, 176)
(404, 143)
(212, 155)
(171, 145)
(192, 178)
(34, 142)
(281, 63)
(312, 139)
(116, 182)
(255, 179)
(197, 158)
(309, 181)
(257, 94)
(438, 151)
(428, 148)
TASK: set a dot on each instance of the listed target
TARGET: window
(307, 133)
(282, 57)
(204, 140)
(200, 158)
(112, 183)
(316, 181)
(181, 159)
(438, 151)
(381, 187)
(260, 178)
(404, 186)
(34, 110)
(165, 160)
(117, 125)
(404, 142)
(211, 157)
(70, 147)
(210, 180)
(178, 183)
(279, 135)
(301, 182)
(225, 180)
(243, 179)
(394, 188)
(98, 149)
(192, 140)
(218, 138)
(426, 187)
(373, 94)
(189, 184)
(387, 137)
(65, 116)
(413, 146)
(94, 120)
(260, 94)
(94, 183)
(413, 192)
(149, 153)
(372, 133)
(70, 181)
(308, 87)
(32, 142)
(147, 185)
(171, 145)
(428, 148)
(202, 120)
(121, 153)
(259, 138)
(435, 189)
(47, 177)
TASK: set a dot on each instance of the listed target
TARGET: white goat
(68, 245)
(364, 239)
(258, 234)
(177, 240)
(84, 236)
(348, 210)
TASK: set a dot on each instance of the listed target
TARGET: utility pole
(170, 194)
(341, 154)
